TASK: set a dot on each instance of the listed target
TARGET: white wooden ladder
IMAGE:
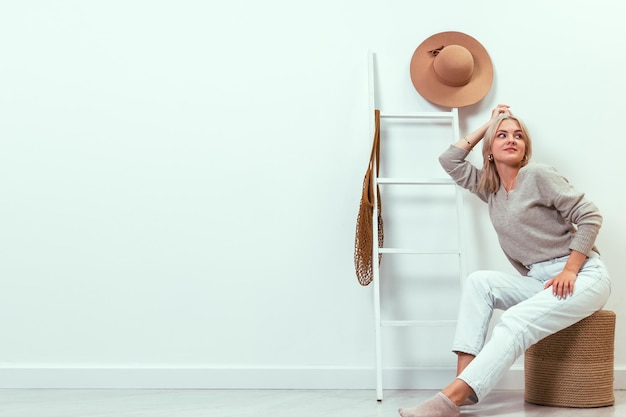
(450, 118)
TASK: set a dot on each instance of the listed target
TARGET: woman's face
(509, 146)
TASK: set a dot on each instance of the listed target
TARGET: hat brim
(429, 86)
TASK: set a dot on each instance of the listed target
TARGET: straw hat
(451, 69)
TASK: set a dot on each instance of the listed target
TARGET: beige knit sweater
(543, 218)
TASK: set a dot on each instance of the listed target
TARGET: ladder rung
(409, 251)
(398, 323)
(419, 115)
(415, 181)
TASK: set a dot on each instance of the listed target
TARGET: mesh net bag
(364, 236)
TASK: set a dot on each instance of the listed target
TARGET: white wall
(179, 180)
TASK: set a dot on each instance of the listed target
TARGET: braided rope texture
(573, 367)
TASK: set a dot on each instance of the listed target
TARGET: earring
(490, 157)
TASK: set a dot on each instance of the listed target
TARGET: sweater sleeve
(460, 170)
(573, 206)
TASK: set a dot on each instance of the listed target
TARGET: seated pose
(547, 230)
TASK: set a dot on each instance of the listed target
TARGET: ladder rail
(461, 231)
(375, 248)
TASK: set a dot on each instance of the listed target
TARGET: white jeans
(532, 313)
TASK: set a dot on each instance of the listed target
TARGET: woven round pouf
(573, 367)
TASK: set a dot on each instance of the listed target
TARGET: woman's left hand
(500, 108)
(562, 284)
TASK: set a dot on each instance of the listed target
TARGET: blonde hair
(490, 180)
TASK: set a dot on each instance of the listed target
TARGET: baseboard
(164, 377)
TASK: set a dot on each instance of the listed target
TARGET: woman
(547, 230)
